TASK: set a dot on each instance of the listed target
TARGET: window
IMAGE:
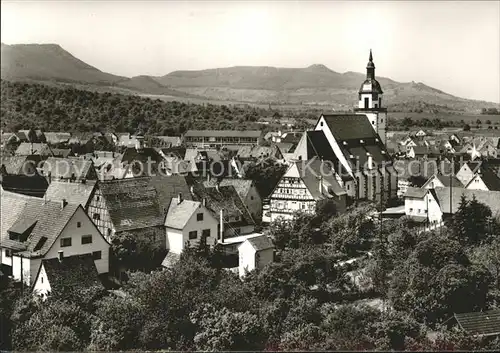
(205, 233)
(251, 197)
(199, 217)
(193, 235)
(109, 231)
(411, 209)
(41, 279)
(381, 120)
(86, 239)
(96, 216)
(376, 106)
(78, 224)
(373, 123)
(97, 255)
(65, 242)
(366, 102)
(97, 198)
(419, 210)
(8, 253)
(321, 124)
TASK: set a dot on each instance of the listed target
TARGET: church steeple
(370, 68)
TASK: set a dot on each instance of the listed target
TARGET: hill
(50, 62)
(312, 86)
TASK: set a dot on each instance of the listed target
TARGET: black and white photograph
(258, 175)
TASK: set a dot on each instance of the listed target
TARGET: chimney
(204, 202)
(370, 162)
(60, 255)
(221, 221)
(179, 198)
(63, 203)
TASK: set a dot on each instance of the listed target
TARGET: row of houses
(82, 219)
(421, 145)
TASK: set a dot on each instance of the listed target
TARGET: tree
(266, 174)
(466, 127)
(222, 329)
(472, 221)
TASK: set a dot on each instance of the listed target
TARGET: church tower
(370, 101)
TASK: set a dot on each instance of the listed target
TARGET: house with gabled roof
(28, 149)
(75, 193)
(187, 222)
(72, 169)
(248, 193)
(438, 180)
(302, 186)
(55, 138)
(225, 203)
(135, 205)
(484, 179)
(254, 254)
(33, 229)
(62, 274)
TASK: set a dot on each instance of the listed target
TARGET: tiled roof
(447, 181)
(34, 185)
(224, 133)
(132, 203)
(482, 323)
(490, 178)
(285, 147)
(408, 168)
(26, 149)
(350, 126)
(258, 152)
(13, 164)
(418, 193)
(49, 218)
(179, 213)
(132, 154)
(224, 198)
(489, 198)
(262, 242)
(61, 152)
(67, 168)
(77, 193)
(242, 186)
(168, 187)
(57, 137)
(310, 176)
(71, 273)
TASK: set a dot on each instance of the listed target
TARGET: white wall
(249, 259)
(176, 238)
(42, 285)
(477, 184)
(416, 207)
(29, 268)
(465, 174)
(253, 202)
(77, 248)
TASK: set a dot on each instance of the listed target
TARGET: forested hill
(26, 105)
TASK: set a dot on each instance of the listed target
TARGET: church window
(366, 102)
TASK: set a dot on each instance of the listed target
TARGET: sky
(450, 45)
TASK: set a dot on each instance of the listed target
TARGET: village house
(19, 174)
(55, 138)
(484, 179)
(33, 229)
(75, 193)
(58, 275)
(168, 141)
(31, 135)
(422, 206)
(213, 138)
(135, 205)
(72, 169)
(438, 180)
(246, 190)
(255, 253)
(225, 203)
(186, 224)
(28, 149)
(302, 186)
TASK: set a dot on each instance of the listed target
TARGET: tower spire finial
(371, 56)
